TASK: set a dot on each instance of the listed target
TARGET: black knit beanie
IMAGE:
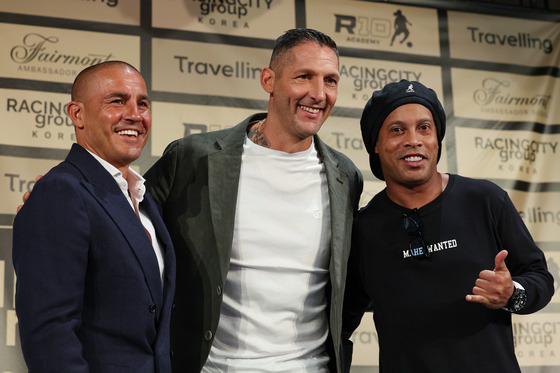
(383, 102)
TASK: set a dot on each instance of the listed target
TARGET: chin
(131, 156)
(413, 180)
(310, 129)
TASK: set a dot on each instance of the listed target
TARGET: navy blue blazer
(89, 296)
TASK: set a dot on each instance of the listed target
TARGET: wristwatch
(517, 300)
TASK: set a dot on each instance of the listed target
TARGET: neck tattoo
(257, 135)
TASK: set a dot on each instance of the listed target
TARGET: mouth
(128, 133)
(413, 158)
(309, 109)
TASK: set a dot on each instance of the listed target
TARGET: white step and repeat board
(496, 73)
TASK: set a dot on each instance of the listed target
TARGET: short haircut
(297, 36)
(82, 79)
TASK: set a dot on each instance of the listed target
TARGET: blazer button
(152, 308)
(219, 290)
(208, 335)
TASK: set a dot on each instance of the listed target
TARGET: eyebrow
(426, 119)
(127, 96)
(401, 122)
(145, 97)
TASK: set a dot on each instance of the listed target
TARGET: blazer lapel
(105, 190)
(130, 226)
(224, 166)
(337, 181)
(165, 244)
(167, 249)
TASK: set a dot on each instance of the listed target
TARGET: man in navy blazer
(94, 262)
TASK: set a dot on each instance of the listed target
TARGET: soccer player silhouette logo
(401, 27)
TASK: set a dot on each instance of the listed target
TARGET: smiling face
(408, 147)
(112, 115)
(303, 87)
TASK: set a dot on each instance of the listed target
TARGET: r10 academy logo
(371, 30)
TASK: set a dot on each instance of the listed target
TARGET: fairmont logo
(40, 49)
(238, 8)
(519, 40)
(492, 92)
(370, 30)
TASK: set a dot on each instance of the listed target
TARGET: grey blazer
(196, 182)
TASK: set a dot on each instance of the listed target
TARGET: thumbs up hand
(493, 288)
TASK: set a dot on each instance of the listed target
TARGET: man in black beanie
(441, 260)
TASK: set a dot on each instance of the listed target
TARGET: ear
(75, 111)
(268, 77)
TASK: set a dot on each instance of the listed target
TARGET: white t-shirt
(273, 317)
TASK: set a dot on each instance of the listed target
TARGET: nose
(413, 139)
(317, 91)
(132, 112)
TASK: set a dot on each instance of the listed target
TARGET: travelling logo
(523, 40)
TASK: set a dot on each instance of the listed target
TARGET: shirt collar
(134, 183)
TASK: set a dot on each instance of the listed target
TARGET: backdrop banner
(496, 72)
